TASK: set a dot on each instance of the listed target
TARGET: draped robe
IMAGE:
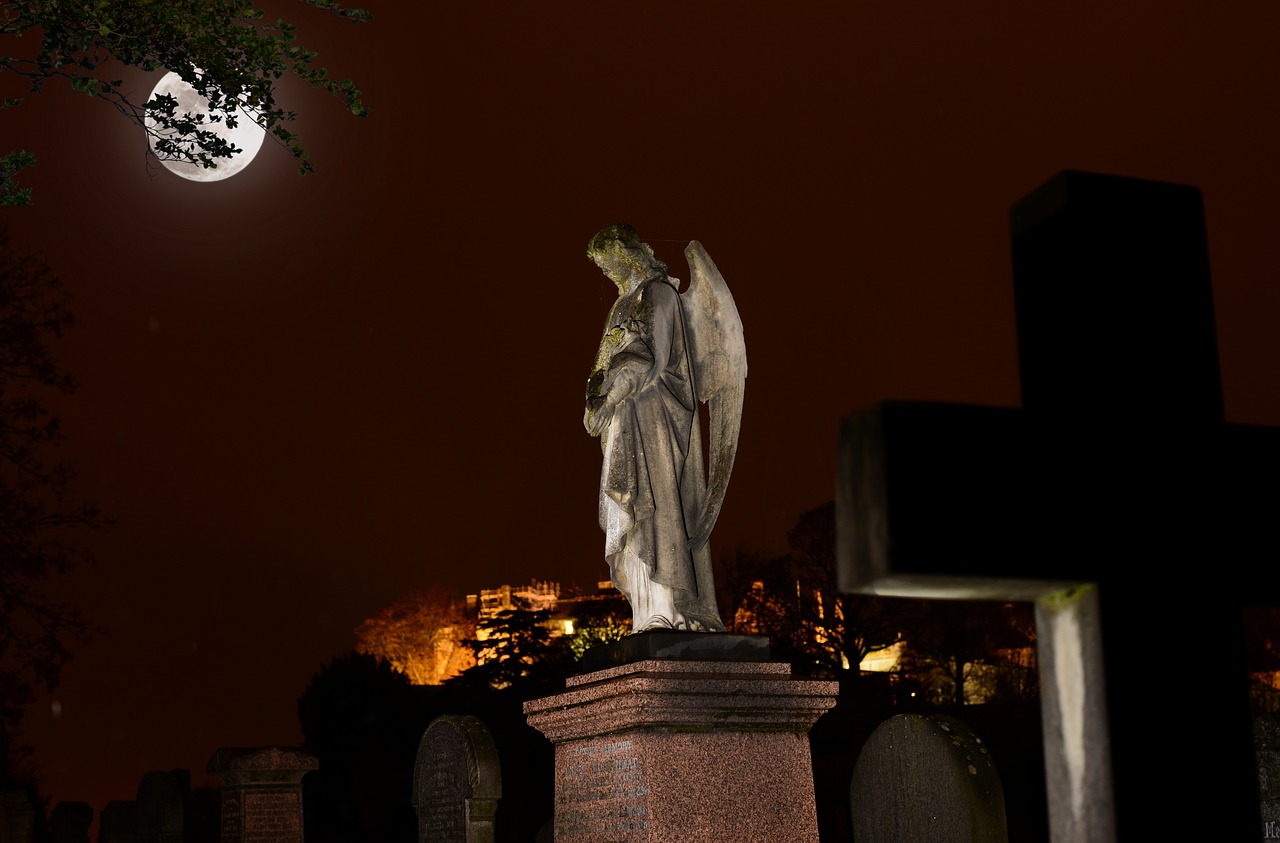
(652, 483)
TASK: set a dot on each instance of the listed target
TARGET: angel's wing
(719, 356)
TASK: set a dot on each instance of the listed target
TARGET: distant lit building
(534, 597)
(564, 607)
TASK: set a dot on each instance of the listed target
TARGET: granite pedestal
(683, 748)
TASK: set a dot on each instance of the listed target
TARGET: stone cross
(261, 792)
(1117, 500)
(457, 781)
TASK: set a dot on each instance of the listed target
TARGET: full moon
(247, 135)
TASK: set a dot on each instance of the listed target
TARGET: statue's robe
(652, 484)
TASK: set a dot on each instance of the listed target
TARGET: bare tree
(42, 524)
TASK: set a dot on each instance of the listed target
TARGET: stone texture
(457, 781)
(17, 817)
(261, 793)
(926, 777)
(663, 750)
(1266, 745)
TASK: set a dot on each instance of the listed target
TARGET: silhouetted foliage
(516, 649)
(42, 525)
(363, 720)
(228, 50)
(956, 636)
(1262, 657)
(599, 621)
(796, 601)
(202, 815)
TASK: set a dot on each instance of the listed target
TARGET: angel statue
(662, 354)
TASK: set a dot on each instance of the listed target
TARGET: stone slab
(672, 644)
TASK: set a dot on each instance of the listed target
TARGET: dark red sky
(301, 397)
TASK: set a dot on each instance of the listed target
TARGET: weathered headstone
(161, 806)
(926, 777)
(684, 747)
(119, 822)
(71, 821)
(17, 817)
(261, 792)
(457, 781)
(1091, 502)
(1266, 739)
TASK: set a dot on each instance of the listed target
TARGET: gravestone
(1117, 500)
(1266, 738)
(71, 821)
(261, 792)
(119, 822)
(457, 781)
(160, 806)
(926, 777)
(17, 817)
(682, 745)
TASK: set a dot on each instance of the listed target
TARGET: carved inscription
(268, 815)
(444, 785)
(272, 816)
(232, 814)
(601, 792)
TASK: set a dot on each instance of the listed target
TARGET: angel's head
(623, 256)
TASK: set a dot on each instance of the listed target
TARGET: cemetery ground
(363, 721)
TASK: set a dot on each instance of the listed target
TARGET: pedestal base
(666, 750)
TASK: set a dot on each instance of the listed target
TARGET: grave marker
(1266, 737)
(261, 792)
(1117, 501)
(926, 777)
(17, 817)
(457, 781)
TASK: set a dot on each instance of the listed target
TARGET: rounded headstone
(457, 781)
(926, 777)
(1266, 748)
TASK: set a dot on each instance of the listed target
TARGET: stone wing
(719, 357)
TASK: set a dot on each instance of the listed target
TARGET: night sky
(302, 397)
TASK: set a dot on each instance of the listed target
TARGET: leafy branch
(227, 50)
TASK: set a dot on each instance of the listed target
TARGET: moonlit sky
(302, 397)
(246, 135)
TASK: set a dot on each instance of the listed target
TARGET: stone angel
(662, 355)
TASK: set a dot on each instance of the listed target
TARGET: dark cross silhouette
(1117, 500)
